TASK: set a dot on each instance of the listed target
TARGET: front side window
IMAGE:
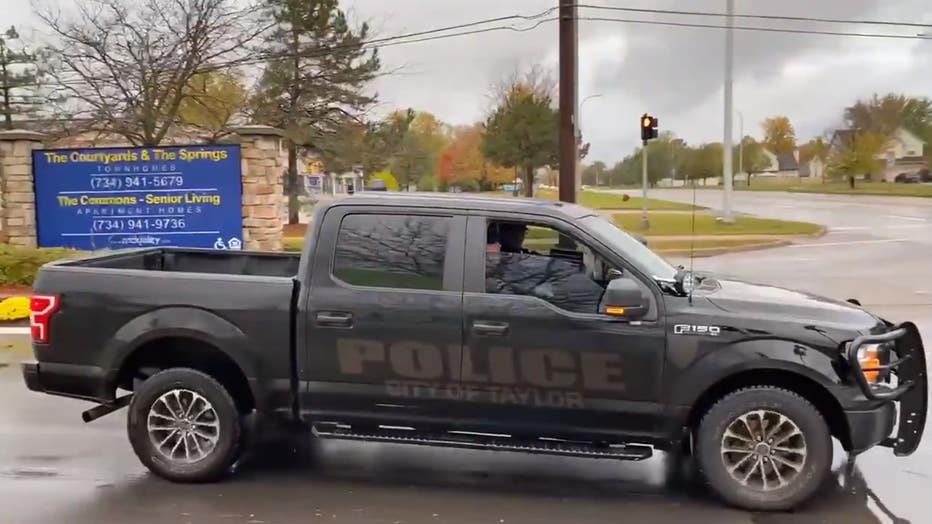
(392, 251)
(535, 260)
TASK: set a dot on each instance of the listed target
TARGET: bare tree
(126, 66)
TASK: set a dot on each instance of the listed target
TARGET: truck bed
(197, 261)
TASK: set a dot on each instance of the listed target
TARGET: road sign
(186, 196)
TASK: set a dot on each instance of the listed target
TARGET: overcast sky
(675, 73)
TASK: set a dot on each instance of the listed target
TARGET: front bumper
(910, 392)
(869, 428)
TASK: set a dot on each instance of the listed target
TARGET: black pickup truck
(515, 325)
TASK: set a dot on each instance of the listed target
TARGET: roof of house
(787, 162)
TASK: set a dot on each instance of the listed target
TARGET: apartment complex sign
(183, 196)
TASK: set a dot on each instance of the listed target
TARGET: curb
(15, 330)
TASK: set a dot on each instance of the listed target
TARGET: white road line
(902, 217)
(865, 228)
(852, 242)
(14, 331)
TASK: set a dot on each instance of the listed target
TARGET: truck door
(384, 314)
(536, 346)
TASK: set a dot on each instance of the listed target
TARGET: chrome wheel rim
(763, 450)
(183, 426)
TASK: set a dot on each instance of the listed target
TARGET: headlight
(869, 359)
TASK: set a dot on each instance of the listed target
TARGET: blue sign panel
(188, 196)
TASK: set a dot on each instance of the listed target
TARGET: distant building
(781, 164)
(904, 152)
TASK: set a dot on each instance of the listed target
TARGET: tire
(211, 440)
(806, 431)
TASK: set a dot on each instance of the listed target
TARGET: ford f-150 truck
(481, 323)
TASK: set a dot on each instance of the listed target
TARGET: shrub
(19, 265)
(391, 183)
(293, 244)
(14, 308)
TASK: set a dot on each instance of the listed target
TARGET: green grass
(681, 224)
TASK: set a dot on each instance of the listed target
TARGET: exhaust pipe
(105, 409)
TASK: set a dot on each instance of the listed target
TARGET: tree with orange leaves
(462, 163)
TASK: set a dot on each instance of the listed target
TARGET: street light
(740, 142)
(728, 170)
(579, 140)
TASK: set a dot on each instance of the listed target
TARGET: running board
(484, 441)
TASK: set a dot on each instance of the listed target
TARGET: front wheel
(184, 426)
(764, 448)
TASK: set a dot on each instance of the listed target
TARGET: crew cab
(499, 324)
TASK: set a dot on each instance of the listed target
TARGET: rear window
(392, 251)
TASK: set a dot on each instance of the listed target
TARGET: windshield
(633, 250)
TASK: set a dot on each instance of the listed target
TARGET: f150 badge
(692, 329)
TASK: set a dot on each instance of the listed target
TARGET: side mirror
(623, 298)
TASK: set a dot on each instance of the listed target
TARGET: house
(781, 164)
(903, 152)
(812, 168)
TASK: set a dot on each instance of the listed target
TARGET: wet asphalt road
(55, 469)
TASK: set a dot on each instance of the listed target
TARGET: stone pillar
(17, 191)
(265, 159)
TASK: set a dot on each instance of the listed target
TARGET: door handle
(489, 328)
(337, 319)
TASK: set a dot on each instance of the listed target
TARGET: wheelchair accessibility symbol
(233, 243)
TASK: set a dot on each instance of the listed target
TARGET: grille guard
(912, 389)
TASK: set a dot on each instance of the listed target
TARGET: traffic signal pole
(649, 125)
(645, 222)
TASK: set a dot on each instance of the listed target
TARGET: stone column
(265, 159)
(17, 190)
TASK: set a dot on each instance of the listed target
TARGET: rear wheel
(184, 426)
(764, 448)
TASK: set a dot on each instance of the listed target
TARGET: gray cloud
(673, 72)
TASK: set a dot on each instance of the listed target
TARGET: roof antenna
(692, 245)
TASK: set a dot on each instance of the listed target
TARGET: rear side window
(392, 251)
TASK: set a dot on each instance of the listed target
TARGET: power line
(393, 41)
(758, 17)
(755, 28)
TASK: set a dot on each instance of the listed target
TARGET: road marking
(852, 242)
(14, 331)
(865, 228)
(902, 217)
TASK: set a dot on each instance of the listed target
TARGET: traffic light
(648, 127)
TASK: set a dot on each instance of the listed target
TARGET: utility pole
(726, 161)
(569, 153)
